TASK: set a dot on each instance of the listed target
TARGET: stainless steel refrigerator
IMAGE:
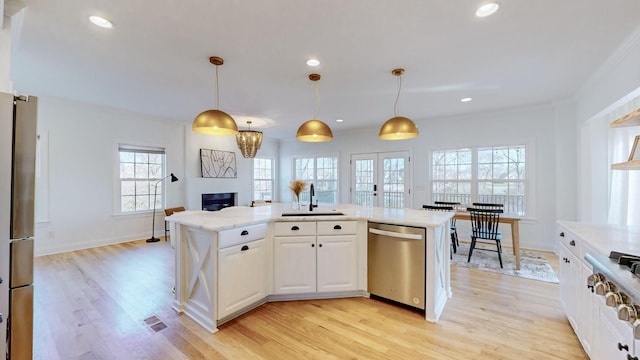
(18, 132)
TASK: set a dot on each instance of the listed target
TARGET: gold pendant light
(249, 141)
(215, 122)
(314, 130)
(398, 127)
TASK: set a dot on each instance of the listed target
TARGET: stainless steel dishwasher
(396, 263)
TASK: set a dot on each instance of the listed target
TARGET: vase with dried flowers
(297, 187)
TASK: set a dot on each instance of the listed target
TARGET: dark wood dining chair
(452, 230)
(488, 205)
(484, 227)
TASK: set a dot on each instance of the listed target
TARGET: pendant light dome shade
(398, 127)
(215, 122)
(314, 131)
(249, 141)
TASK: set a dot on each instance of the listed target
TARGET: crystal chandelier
(249, 141)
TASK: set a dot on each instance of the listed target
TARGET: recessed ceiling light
(487, 9)
(467, 99)
(313, 62)
(339, 120)
(100, 21)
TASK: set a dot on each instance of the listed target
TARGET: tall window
(323, 173)
(140, 170)
(262, 179)
(485, 174)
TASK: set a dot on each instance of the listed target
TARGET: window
(323, 173)
(484, 174)
(141, 172)
(262, 179)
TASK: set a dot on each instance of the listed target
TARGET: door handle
(395, 234)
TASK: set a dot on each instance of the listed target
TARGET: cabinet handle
(295, 228)
(562, 234)
(572, 243)
(245, 248)
(623, 347)
(337, 227)
(629, 357)
(244, 232)
(313, 245)
(319, 245)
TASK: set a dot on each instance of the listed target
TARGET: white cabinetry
(241, 273)
(576, 298)
(312, 257)
(615, 337)
(336, 256)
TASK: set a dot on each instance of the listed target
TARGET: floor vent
(154, 323)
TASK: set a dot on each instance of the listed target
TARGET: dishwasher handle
(395, 234)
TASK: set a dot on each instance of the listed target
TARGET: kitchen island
(228, 262)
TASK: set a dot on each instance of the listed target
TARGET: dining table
(515, 230)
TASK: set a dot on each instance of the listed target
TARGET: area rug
(532, 265)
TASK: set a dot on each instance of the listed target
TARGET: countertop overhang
(238, 216)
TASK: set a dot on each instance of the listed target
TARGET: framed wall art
(218, 164)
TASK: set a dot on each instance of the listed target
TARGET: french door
(381, 179)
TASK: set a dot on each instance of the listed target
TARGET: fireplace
(215, 202)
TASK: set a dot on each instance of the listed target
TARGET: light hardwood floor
(91, 304)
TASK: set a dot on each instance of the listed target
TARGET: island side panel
(438, 269)
(196, 271)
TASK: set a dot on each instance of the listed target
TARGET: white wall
(83, 156)
(242, 185)
(615, 84)
(536, 126)
(5, 54)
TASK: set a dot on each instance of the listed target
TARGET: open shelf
(631, 119)
(634, 158)
(628, 165)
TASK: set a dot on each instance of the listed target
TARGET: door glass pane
(393, 186)
(364, 181)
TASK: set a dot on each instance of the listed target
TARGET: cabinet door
(588, 312)
(614, 338)
(294, 264)
(570, 289)
(241, 278)
(337, 263)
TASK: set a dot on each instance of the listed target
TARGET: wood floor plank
(91, 304)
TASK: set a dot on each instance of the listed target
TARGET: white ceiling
(155, 59)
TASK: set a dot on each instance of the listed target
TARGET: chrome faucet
(312, 193)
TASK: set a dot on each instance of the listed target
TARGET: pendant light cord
(315, 114)
(217, 90)
(395, 105)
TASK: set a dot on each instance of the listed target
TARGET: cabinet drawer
(241, 235)
(295, 228)
(571, 242)
(337, 227)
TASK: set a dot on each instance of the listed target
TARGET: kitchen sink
(312, 213)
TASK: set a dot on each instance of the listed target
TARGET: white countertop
(605, 238)
(237, 216)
